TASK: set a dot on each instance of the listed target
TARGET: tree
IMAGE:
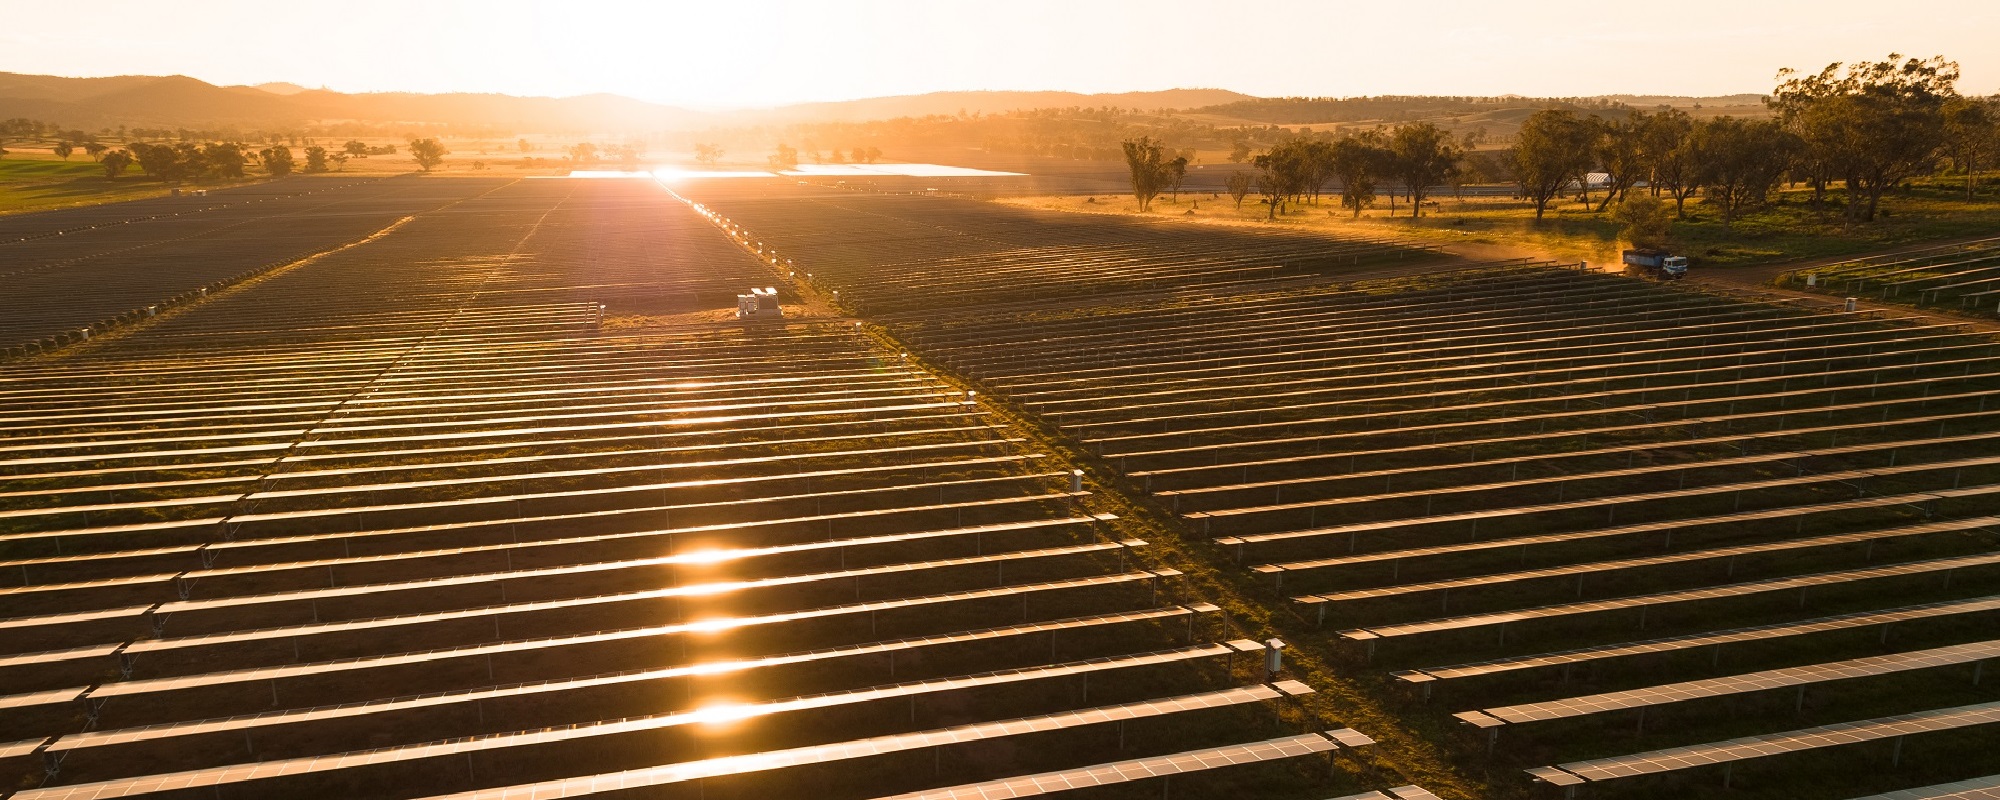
(1971, 135)
(1422, 156)
(1669, 157)
(523, 146)
(1176, 174)
(115, 162)
(1283, 171)
(1239, 152)
(1739, 162)
(1238, 186)
(785, 157)
(224, 159)
(1873, 124)
(21, 128)
(62, 150)
(1643, 221)
(1151, 171)
(162, 161)
(1621, 151)
(316, 162)
(277, 160)
(1356, 160)
(429, 153)
(707, 153)
(582, 153)
(874, 154)
(1318, 167)
(355, 147)
(1470, 166)
(1551, 150)
(94, 150)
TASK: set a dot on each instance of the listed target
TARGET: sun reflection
(705, 589)
(717, 624)
(723, 713)
(714, 667)
(706, 556)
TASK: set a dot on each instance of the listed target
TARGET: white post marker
(1274, 659)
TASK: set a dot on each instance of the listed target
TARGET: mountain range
(178, 101)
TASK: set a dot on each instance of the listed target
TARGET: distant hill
(178, 101)
(995, 102)
(1657, 100)
(1498, 119)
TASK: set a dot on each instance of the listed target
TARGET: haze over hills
(992, 102)
(178, 101)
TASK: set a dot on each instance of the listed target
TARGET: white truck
(1670, 266)
(759, 304)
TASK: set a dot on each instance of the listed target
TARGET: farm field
(477, 489)
(491, 505)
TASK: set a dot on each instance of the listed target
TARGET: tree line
(1865, 128)
(188, 161)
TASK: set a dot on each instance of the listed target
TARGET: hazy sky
(730, 53)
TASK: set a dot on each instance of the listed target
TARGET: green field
(40, 184)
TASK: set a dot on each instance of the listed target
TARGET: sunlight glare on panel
(722, 713)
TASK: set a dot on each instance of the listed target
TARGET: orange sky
(732, 53)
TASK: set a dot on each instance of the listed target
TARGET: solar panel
(1987, 788)
(714, 556)
(1664, 598)
(1780, 630)
(415, 753)
(1752, 747)
(134, 687)
(1866, 666)
(862, 748)
(678, 593)
(1672, 526)
(248, 724)
(1611, 566)
(1135, 769)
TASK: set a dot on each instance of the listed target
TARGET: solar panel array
(492, 505)
(146, 256)
(498, 504)
(1965, 275)
(1509, 481)
(1986, 788)
(888, 253)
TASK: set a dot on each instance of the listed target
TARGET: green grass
(39, 185)
(30, 184)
